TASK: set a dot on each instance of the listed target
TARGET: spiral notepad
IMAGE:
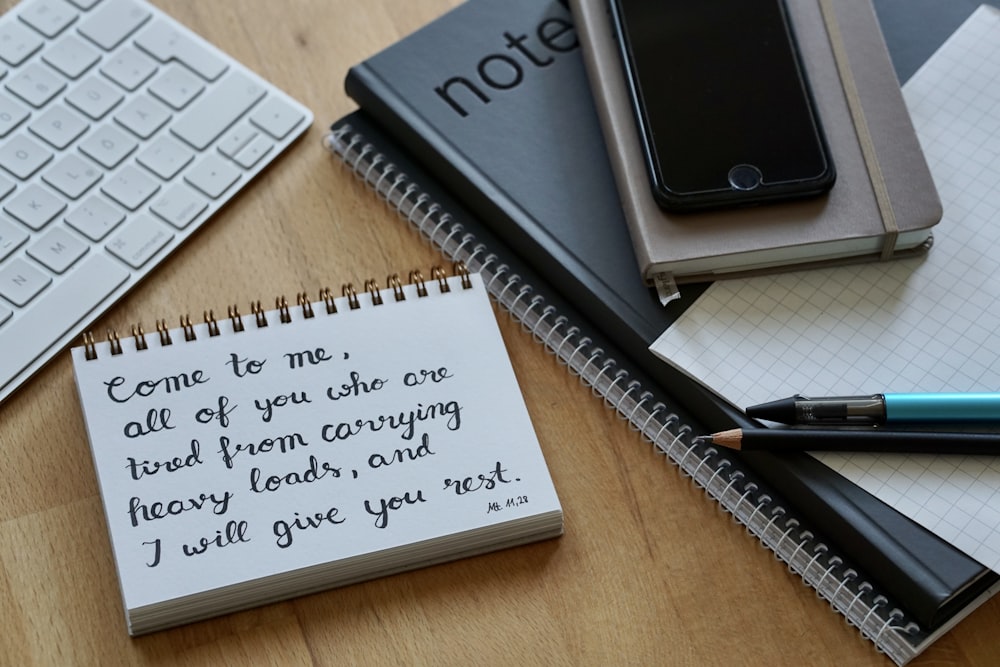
(724, 479)
(256, 457)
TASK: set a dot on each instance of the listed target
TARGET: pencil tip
(731, 439)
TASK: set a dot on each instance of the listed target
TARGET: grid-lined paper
(929, 324)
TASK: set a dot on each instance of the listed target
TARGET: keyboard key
(49, 17)
(179, 205)
(94, 97)
(218, 109)
(72, 175)
(213, 175)
(236, 139)
(166, 43)
(139, 240)
(34, 206)
(108, 145)
(143, 116)
(71, 55)
(84, 4)
(17, 43)
(6, 186)
(165, 157)
(58, 126)
(252, 154)
(276, 117)
(128, 68)
(22, 157)
(95, 218)
(58, 311)
(35, 84)
(12, 114)
(176, 86)
(12, 236)
(5, 314)
(115, 20)
(57, 249)
(20, 282)
(130, 187)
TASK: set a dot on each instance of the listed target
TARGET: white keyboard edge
(75, 332)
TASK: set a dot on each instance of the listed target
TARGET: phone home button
(744, 177)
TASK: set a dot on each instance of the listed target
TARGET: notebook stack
(482, 131)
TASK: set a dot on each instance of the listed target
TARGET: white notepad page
(370, 440)
(923, 325)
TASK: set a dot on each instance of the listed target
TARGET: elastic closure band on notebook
(861, 125)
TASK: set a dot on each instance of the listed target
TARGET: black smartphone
(722, 102)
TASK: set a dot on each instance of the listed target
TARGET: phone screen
(723, 106)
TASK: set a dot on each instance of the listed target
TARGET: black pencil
(855, 440)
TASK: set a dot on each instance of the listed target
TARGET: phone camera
(745, 177)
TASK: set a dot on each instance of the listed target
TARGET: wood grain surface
(649, 570)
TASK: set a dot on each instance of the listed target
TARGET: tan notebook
(883, 183)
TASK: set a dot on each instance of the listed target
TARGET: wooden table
(649, 571)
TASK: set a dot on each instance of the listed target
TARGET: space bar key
(28, 336)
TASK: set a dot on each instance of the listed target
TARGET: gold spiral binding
(116, 344)
(161, 328)
(352, 296)
(326, 296)
(140, 337)
(303, 301)
(417, 278)
(234, 315)
(372, 288)
(283, 314)
(258, 313)
(393, 282)
(213, 326)
(438, 274)
(189, 334)
(89, 349)
(460, 269)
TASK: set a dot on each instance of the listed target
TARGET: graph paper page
(922, 325)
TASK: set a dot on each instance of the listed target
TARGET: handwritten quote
(349, 444)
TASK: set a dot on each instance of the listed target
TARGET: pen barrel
(840, 409)
(942, 407)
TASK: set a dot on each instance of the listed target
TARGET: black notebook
(935, 584)
(564, 221)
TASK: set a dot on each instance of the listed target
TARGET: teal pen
(882, 409)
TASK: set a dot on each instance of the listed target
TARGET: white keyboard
(121, 133)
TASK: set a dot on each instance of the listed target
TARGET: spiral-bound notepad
(253, 458)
